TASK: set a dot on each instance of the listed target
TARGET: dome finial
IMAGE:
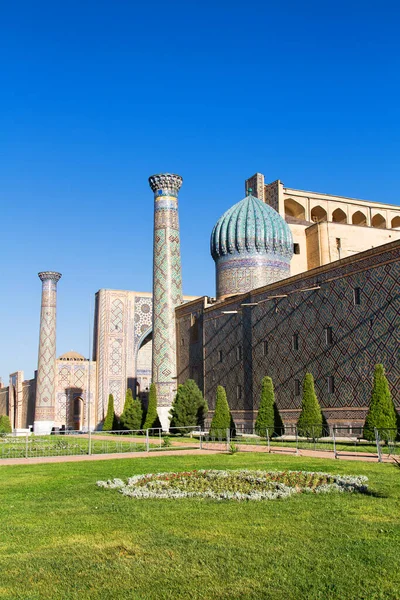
(249, 192)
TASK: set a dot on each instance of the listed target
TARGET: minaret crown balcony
(165, 184)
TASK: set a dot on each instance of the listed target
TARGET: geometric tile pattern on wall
(321, 331)
(116, 317)
(115, 390)
(167, 283)
(45, 391)
(143, 316)
(115, 357)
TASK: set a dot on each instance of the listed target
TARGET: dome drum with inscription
(252, 246)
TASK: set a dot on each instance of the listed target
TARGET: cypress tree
(381, 413)
(110, 420)
(310, 420)
(152, 420)
(222, 419)
(5, 425)
(267, 410)
(131, 417)
(189, 407)
(128, 400)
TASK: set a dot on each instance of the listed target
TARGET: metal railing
(341, 441)
(73, 443)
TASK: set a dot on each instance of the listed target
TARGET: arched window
(294, 209)
(396, 223)
(378, 221)
(359, 219)
(318, 214)
(339, 216)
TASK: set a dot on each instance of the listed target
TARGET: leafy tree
(5, 425)
(266, 415)
(222, 419)
(152, 421)
(131, 417)
(310, 420)
(111, 421)
(189, 407)
(381, 413)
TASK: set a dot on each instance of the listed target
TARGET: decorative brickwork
(271, 194)
(45, 389)
(338, 331)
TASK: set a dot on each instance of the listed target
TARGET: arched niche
(294, 209)
(77, 413)
(318, 214)
(339, 216)
(143, 360)
(396, 223)
(378, 221)
(359, 219)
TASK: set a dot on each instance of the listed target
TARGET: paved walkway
(85, 457)
(214, 448)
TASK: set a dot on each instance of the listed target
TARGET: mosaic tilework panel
(143, 316)
(269, 333)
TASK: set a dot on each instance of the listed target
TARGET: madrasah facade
(305, 282)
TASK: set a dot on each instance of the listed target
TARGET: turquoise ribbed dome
(251, 227)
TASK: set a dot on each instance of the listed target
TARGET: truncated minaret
(45, 387)
(167, 288)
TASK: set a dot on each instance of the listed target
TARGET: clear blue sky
(98, 95)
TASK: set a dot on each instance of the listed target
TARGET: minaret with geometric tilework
(45, 384)
(167, 288)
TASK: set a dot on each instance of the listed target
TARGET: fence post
(334, 441)
(228, 439)
(159, 435)
(26, 445)
(297, 439)
(268, 444)
(89, 442)
(147, 441)
(378, 445)
(201, 439)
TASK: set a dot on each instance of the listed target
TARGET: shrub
(268, 414)
(310, 420)
(233, 448)
(5, 425)
(110, 422)
(152, 420)
(222, 419)
(381, 413)
(189, 407)
(131, 417)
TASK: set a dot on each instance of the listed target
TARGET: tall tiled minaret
(45, 386)
(167, 288)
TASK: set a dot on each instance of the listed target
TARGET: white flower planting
(235, 484)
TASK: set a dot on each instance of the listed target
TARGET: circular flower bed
(234, 485)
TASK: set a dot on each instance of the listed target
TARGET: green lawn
(64, 538)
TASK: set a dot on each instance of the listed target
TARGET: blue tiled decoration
(167, 283)
(252, 246)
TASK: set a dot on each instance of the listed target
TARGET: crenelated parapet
(165, 184)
